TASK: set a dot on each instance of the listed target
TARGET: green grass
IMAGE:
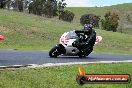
(61, 77)
(29, 32)
(127, 31)
(23, 31)
(114, 42)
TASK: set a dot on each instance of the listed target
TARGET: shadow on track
(73, 57)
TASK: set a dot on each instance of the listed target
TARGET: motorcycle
(65, 47)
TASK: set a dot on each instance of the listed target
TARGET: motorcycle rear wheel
(85, 54)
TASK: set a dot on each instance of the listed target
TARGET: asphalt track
(24, 57)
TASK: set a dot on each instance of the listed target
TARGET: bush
(90, 18)
(110, 23)
(129, 17)
(67, 16)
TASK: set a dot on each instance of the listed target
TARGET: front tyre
(53, 52)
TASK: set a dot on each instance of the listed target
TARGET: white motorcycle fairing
(68, 38)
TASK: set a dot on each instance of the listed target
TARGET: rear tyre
(53, 53)
(85, 53)
(81, 55)
(89, 51)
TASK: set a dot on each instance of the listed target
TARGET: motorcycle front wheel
(53, 52)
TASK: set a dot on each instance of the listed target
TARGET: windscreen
(72, 35)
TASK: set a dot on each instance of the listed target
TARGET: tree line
(47, 8)
(52, 8)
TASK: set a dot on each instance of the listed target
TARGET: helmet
(88, 27)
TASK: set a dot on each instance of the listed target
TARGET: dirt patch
(4, 30)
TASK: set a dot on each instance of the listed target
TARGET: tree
(2, 4)
(47, 8)
(110, 23)
(30, 7)
(67, 16)
(20, 5)
(64, 14)
(61, 6)
(90, 19)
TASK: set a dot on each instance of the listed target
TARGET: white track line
(59, 64)
(72, 63)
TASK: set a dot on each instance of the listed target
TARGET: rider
(86, 42)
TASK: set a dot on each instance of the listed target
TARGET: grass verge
(61, 77)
